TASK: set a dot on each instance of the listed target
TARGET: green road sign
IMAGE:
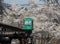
(28, 24)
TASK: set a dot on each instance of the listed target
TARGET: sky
(39, 2)
(17, 1)
(21, 1)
